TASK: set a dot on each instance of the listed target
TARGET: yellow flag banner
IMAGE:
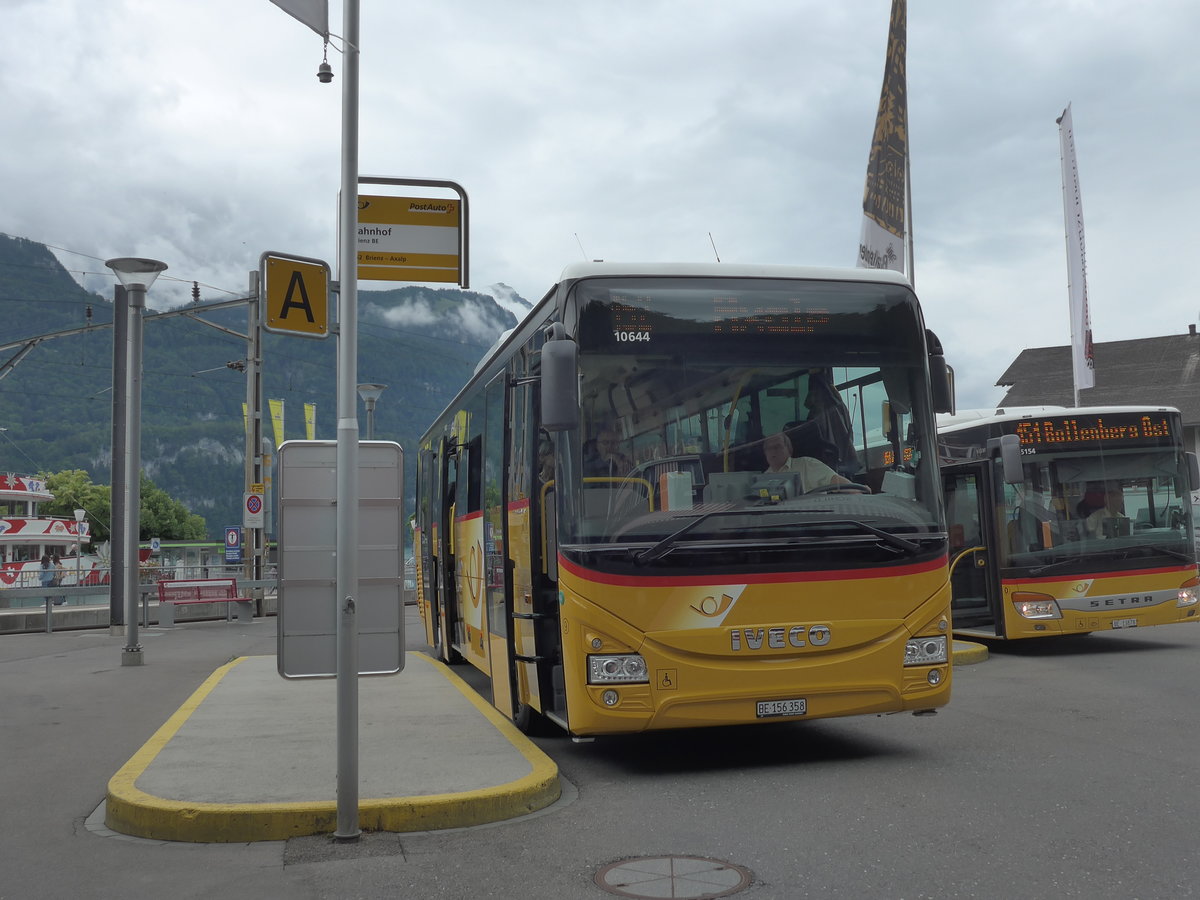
(884, 227)
(310, 421)
(277, 420)
(245, 420)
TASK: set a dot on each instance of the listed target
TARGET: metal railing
(96, 599)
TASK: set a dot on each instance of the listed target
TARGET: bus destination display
(1057, 432)
(728, 315)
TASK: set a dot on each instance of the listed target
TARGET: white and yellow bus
(1068, 521)
(683, 585)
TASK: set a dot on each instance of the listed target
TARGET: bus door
(495, 567)
(425, 552)
(533, 647)
(974, 579)
(446, 589)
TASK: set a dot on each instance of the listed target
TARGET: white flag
(313, 13)
(1083, 368)
(881, 245)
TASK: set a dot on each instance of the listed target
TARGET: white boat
(26, 536)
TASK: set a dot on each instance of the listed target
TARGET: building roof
(1160, 371)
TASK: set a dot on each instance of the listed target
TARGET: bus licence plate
(1124, 623)
(770, 708)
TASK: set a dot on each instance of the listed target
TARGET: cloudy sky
(197, 133)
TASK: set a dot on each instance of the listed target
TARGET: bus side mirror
(1009, 447)
(560, 385)
(941, 382)
(1193, 471)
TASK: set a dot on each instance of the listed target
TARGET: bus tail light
(1032, 605)
(925, 651)
(1187, 593)
(626, 668)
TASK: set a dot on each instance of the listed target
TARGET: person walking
(56, 580)
(47, 571)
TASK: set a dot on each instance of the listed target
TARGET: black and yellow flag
(885, 222)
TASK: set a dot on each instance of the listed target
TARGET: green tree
(160, 515)
(163, 516)
(73, 489)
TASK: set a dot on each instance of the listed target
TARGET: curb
(131, 811)
(967, 653)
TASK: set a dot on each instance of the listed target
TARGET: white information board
(307, 622)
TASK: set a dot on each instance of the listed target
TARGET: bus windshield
(724, 412)
(1083, 508)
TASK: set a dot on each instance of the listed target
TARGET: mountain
(56, 398)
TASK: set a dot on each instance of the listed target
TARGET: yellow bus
(1068, 521)
(596, 532)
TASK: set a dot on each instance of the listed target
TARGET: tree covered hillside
(56, 401)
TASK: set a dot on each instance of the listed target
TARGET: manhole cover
(675, 877)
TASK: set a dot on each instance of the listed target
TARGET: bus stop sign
(296, 290)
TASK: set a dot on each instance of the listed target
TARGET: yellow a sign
(296, 291)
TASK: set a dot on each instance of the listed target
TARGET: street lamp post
(370, 393)
(137, 275)
(79, 514)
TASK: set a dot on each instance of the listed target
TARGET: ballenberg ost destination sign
(409, 239)
(1109, 428)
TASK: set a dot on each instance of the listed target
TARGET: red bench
(192, 591)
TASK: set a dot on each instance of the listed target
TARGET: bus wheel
(447, 654)
(531, 722)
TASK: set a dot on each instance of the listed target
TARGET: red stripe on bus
(1094, 576)
(750, 578)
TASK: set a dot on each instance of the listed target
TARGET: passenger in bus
(545, 459)
(777, 448)
(604, 456)
(1101, 501)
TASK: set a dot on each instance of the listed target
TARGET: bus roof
(966, 418)
(728, 270)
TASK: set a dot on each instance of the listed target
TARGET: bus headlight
(1032, 605)
(925, 651)
(627, 668)
(1187, 597)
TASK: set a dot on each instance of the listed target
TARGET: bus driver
(777, 449)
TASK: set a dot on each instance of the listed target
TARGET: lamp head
(370, 392)
(324, 73)
(133, 271)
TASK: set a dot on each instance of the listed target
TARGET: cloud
(415, 313)
(197, 133)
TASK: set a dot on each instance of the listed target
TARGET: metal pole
(116, 556)
(131, 501)
(908, 211)
(370, 419)
(347, 444)
(254, 405)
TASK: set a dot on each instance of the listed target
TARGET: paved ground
(207, 743)
(185, 784)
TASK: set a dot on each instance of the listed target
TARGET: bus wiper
(1093, 554)
(892, 540)
(1174, 553)
(1058, 563)
(664, 546)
